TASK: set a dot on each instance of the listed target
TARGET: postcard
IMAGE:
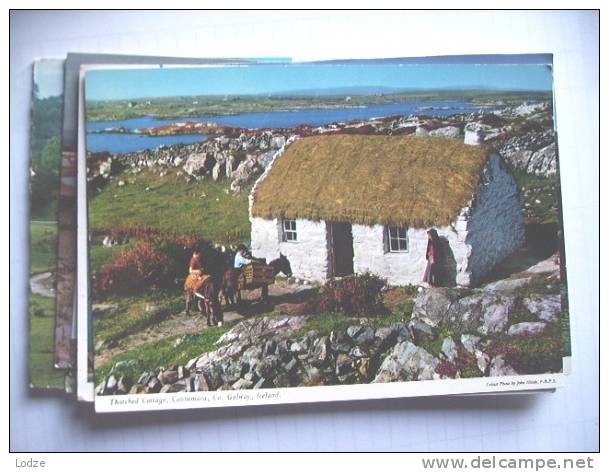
(66, 326)
(323, 231)
(47, 105)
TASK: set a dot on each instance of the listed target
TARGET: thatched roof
(412, 181)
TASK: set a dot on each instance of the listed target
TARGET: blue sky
(274, 78)
(48, 75)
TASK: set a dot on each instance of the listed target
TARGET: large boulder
(483, 311)
(431, 305)
(543, 307)
(526, 328)
(543, 162)
(446, 132)
(407, 362)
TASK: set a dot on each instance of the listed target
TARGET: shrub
(446, 369)
(354, 295)
(134, 270)
(532, 354)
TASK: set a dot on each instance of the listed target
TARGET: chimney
(474, 135)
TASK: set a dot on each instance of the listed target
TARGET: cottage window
(289, 231)
(397, 239)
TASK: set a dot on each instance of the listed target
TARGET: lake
(119, 142)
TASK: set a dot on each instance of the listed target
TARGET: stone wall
(402, 268)
(308, 255)
(494, 228)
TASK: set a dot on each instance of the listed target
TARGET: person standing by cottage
(432, 255)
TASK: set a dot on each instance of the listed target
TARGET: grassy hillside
(168, 203)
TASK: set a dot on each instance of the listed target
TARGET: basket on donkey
(256, 275)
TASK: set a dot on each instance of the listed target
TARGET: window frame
(389, 248)
(292, 230)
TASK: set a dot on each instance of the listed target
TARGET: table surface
(567, 420)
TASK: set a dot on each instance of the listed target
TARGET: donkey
(231, 291)
(207, 302)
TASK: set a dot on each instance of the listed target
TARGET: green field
(176, 350)
(42, 327)
(207, 208)
(129, 315)
(43, 246)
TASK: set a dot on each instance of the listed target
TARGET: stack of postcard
(226, 232)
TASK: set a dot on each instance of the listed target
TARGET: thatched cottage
(343, 204)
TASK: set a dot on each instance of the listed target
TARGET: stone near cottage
(421, 331)
(358, 352)
(499, 367)
(470, 342)
(321, 350)
(267, 366)
(123, 385)
(111, 384)
(278, 141)
(478, 228)
(265, 158)
(290, 365)
(402, 331)
(262, 383)
(217, 171)
(168, 377)
(483, 311)
(137, 389)
(250, 376)
(182, 372)
(121, 183)
(446, 132)
(312, 375)
(269, 347)
(242, 384)
(543, 162)
(482, 359)
(449, 349)
(544, 307)
(407, 362)
(297, 347)
(344, 364)
(353, 331)
(171, 388)
(509, 285)
(196, 164)
(154, 385)
(363, 367)
(145, 378)
(432, 305)
(385, 336)
(200, 383)
(527, 328)
(365, 337)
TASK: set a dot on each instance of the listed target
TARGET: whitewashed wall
(308, 256)
(495, 228)
(401, 268)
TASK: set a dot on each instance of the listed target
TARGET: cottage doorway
(341, 248)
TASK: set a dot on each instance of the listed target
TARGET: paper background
(565, 420)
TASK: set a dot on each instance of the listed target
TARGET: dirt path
(282, 295)
(43, 284)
